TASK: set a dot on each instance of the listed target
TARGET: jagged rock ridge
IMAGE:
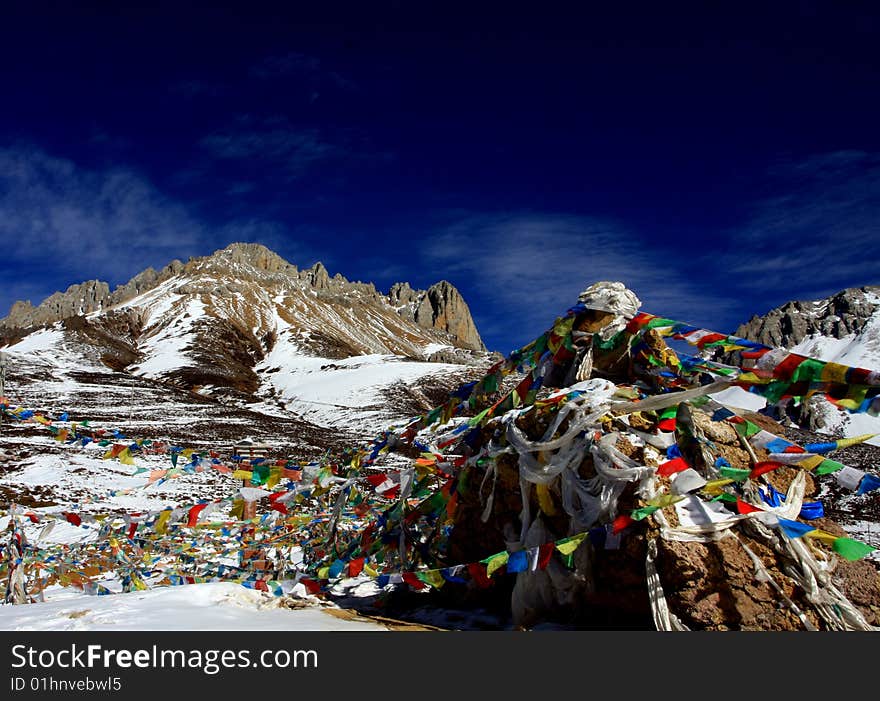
(844, 313)
(439, 308)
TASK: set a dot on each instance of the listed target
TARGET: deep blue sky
(720, 162)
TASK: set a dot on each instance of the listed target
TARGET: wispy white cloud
(520, 270)
(54, 210)
(272, 141)
(62, 224)
(818, 232)
(272, 148)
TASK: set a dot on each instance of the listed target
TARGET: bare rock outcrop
(440, 307)
(844, 313)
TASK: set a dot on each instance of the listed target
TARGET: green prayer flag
(490, 384)
(851, 549)
(644, 512)
(809, 370)
(478, 418)
(734, 473)
(433, 415)
(658, 322)
(827, 466)
(750, 429)
(724, 496)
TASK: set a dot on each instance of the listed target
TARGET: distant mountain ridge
(439, 308)
(245, 326)
(843, 314)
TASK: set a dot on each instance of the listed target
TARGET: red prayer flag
(451, 504)
(194, 514)
(638, 321)
(544, 555)
(131, 529)
(858, 376)
(786, 368)
(411, 579)
(710, 338)
(311, 586)
(670, 467)
(477, 571)
(621, 522)
(744, 507)
(355, 567)
(765, 466)
(72, 518)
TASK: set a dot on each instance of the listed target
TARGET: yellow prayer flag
(161, 524)
(811, 462)
(714, 487)
(432, 577)
(495, 562)
(569, 545)
(855, 440)
(665, 500)
(834, 372)
(824, 536)
(545, 499)
(274, 476)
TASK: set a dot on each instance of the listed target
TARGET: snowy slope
(861, 349)
(209, 606)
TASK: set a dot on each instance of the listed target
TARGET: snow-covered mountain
(843, 328)
(244, 326)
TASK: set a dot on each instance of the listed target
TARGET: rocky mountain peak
(440, 307)
(318, 277)
(82, 298)
(844, 313)
(447, 311)
(255, 255)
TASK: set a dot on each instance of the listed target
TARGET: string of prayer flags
(848, 548)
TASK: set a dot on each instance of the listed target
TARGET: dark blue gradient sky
(720, 162)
